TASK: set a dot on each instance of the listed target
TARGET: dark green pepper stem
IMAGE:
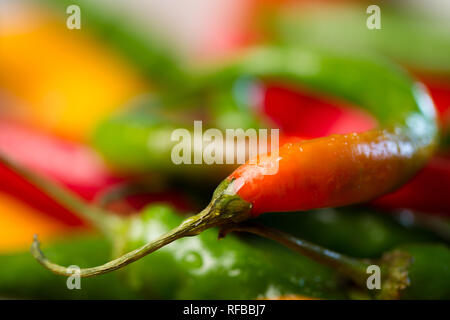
(437, 225)
(351, 267)
(394, 265)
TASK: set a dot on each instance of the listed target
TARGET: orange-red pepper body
(328, 172)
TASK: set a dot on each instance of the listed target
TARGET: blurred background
(93, 108)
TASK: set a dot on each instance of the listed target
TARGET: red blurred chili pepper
(298, 113)
(75, 166)
(70, 164)
(426, 192)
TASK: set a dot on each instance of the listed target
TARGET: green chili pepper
(411, 272)
(429, 272)
(144, 132)
(146, 140)
(344, 29)
(358, 232)
(368, 234)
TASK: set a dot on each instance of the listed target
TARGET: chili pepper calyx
(395, 265)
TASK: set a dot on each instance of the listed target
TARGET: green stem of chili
(352, 268)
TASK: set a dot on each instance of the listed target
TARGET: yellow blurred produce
(59, 79)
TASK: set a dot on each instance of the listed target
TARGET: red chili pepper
(305, 115)
(326, 172)
(15, 185)
(426, 192)
(70, 164)
(440, 92)
(73, 165)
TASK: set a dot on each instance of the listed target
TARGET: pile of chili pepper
(362, 173)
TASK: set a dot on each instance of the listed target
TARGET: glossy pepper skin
(356, 232)
(339, 169)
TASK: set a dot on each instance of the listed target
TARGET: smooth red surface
(428, 191)
(74, 166)
(304, 114)
(332, 171)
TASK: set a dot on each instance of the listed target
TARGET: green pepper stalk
(395, 264)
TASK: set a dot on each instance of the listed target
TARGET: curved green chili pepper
(401, 106)
(413, 271)
(429, 272)
(344, 28)
(357, 232)
(144, 132)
